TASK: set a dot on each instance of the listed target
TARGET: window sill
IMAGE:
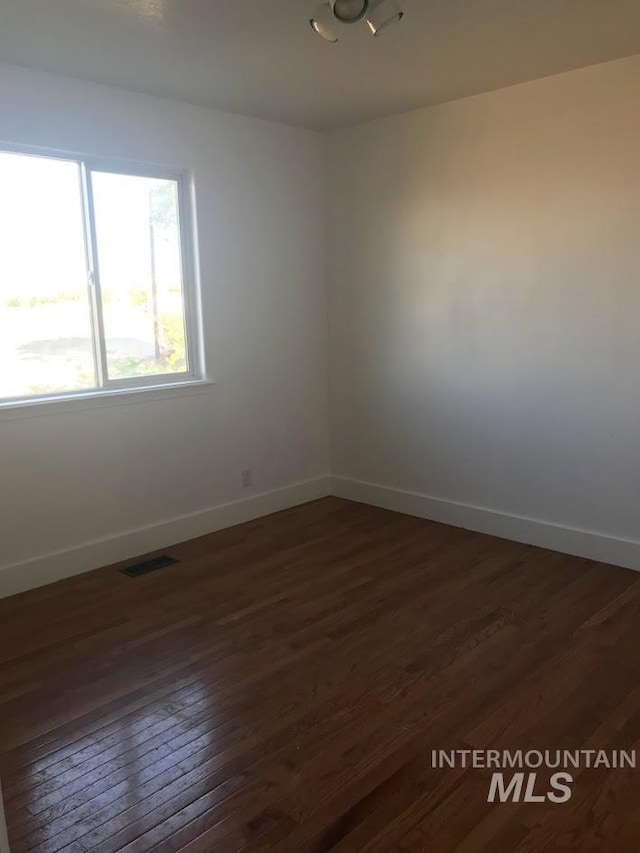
(97, 399)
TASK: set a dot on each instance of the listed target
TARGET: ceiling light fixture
(349, 11)
(381, 14)
(323, 22)
(330, 14)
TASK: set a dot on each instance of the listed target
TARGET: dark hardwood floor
(281, 689)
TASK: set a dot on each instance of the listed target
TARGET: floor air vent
(147, 566)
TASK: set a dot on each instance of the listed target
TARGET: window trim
(84, 400)
(195, 375)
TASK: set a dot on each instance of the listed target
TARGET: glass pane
(138, 239)
(45, 317)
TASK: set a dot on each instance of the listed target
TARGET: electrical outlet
(247, 479)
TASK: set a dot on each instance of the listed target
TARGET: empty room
(319, 426)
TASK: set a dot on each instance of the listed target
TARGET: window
(96, 283)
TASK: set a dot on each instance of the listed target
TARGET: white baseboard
(532, 531)
(91, 555)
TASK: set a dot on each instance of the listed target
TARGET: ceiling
(260, 57)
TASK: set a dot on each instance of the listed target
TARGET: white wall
(485, 308)
(90, 473)
(484, 301)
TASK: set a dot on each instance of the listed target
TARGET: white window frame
(195, 374)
